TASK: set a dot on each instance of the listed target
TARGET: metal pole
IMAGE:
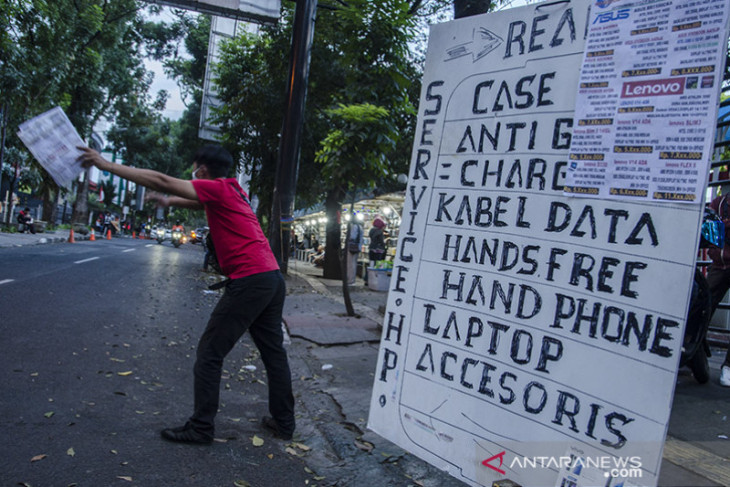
(288, 159)
(2, 159)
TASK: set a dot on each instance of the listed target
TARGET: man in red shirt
(254, 294)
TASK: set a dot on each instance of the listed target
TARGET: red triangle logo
(488, 462)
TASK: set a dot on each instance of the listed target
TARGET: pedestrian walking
(376, 248)
(254, 292)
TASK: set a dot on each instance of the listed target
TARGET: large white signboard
(530, 336)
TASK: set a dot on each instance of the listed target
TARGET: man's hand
(90, 157)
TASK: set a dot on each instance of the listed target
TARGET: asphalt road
(98, 346)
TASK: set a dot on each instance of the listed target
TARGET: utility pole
(282, 213)
(467, 8)
(3, 120)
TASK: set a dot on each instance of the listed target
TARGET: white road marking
(128, 250)
(85, 260)
(5, 281)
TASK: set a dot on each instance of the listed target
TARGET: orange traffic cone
(71, 236)
(108, 234)
(93, 237)
(134, 234)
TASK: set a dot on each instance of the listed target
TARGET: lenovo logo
(656, 87)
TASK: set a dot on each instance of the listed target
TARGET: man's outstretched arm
(177, 201)
(154, 180)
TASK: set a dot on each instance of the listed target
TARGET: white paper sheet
(52, 140)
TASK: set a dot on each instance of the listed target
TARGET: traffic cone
(71, 236)
(93, 237)
(134, 234)
(108, 234)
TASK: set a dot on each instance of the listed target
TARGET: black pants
(251, 303)
(719, 282)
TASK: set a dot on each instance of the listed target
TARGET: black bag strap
(243, 196)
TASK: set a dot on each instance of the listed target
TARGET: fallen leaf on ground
(49, 414)
(364, 445)
(241, 483)
(301, 446)
(38, 457)
(71, 452)
(125, 373)
(257, 441)
(291, 451)
(124, 477)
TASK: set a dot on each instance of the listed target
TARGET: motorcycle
(160, 235)
(695, 349)
(178, 238)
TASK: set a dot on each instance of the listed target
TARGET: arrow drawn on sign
(483, 42)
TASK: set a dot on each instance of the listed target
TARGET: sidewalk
(19, 239)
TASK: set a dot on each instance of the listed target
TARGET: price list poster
(531, 337)
(647, 101)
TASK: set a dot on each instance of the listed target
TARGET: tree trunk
(467, 8)
(50, 198)
(332, 269)
(11, 185)
(80, 213)
(344, 265)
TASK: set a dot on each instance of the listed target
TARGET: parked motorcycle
(695, 349)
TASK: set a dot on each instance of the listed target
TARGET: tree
(360, 56)
(354, 150)
(83, 55)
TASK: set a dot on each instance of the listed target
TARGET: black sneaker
(186, 434)
(270, 424)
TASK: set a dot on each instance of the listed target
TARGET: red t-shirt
(240, 244)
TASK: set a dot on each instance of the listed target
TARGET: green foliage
(361, 63)
(84, 55)
(110, 192)
(357, 146)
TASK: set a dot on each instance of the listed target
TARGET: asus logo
(611, 16)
